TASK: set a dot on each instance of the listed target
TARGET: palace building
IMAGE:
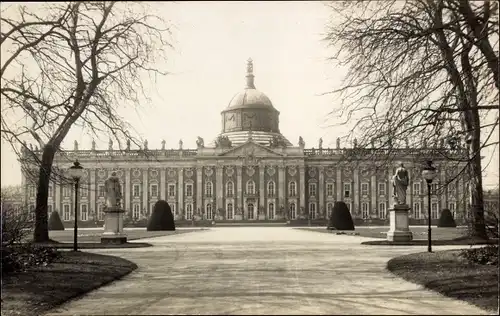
(249, 172)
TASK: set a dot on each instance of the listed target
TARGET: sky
(212, 42)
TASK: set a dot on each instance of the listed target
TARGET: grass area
(41, 288)
(439, 242)
(94, 245)
(451, 275)
(419, 232)
(94, 235)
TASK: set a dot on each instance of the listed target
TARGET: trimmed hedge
(341, 218)
(446, 219)
(55, 222)
(162, 217)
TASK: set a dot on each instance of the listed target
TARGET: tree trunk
(41, 233)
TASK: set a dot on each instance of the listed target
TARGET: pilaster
(163, 185)
(302, 188)
(262, 187)
(321, 189)
(145, 190)
(180, 193)
(373, 194)
(239, 196)
(219, 183)
(128, 190)
(93, 193)
(57, 206)
(282, 191)
(356, 189)
(199, 189)
(339, 184)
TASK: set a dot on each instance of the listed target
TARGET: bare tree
(73, 64)
(420, 72)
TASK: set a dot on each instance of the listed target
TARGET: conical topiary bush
(446, 219)
(162, 217)
(55, 222)
(341, 218)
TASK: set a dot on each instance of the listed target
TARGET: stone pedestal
(113, 227)
(399, 225)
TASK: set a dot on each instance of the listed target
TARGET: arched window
(229, 211)
(137, 211)
(251, 210)
(292, 188)
(250, 187)
(270, 211)
(312, 210)
(270, 188)
(293, 211)
(229, 188)
(364, 210)
(208, 211)
(329, 208)
(381, 211)
(189, 211)
(208, 188)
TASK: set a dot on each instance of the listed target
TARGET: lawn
(451, 275)
(41, 288)
(419, 232)
(94, 235)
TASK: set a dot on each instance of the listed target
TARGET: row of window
(250, 189)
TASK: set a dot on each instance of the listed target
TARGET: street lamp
(429, 173)
(76, 172)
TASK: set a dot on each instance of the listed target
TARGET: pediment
(251, 149)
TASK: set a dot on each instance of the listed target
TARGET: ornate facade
(249, 172)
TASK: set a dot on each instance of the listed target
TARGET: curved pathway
(263, 270)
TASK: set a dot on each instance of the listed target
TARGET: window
(416, 210)
(189, 192)
(66, 213)
(31, 189)
(329, 208)
(174, 209)
(208, 211)
(171, 190)
(329, 189)
(189, 210)
(312, 189)
(270, 211)
(312, 210)
(292, 189)
(381, 211)
(102, 193)
(293, 211)
(136, 211)
(154, 190)
(347, 190)
(364, 189)
(364, 210)
(452, 206)
(270, 188)
(66, 191)
(136, 190)
(416, 188)
(250, 187)
(434, 210)
(208, 188)
(381, 189)
(251, 210)
(229, 209)
(100, 213)
(49, 209)
(50, 190)
(84, 216)
(434, 188)
(84, 190)
(229, 189)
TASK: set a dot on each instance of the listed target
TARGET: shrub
(162, 217)
(55, 222)
(341, 218)
(484, 255)
(446, 219)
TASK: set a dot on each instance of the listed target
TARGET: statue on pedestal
(400, 181)
(113, 191)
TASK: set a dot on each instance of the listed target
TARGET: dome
(250, 98)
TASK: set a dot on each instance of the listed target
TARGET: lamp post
(76, 172)
(429, 173)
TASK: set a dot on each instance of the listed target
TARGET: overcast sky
(213, 41)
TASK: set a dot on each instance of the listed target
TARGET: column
(282, 190)
(199, 189)
(356, 187)
(340, 185)
(302, 188)
(145, 189)
(321, 188)
(180, 193)
(390, 189)
(57, 205)
(408, 191)
(262, 186)
(444, 191)
(239, 196)
(93, 191)
(128, 190)
(373, 194)
(219, 185)
(163, 185)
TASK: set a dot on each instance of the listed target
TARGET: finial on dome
(250, 76)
